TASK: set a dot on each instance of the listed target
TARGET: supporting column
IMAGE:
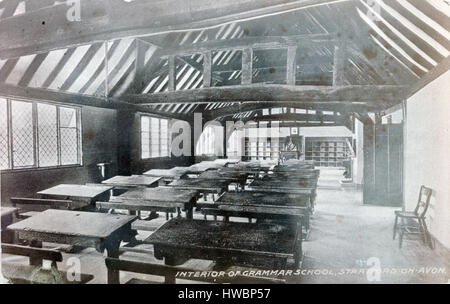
(247, 66)
(207, 70)
(291, 65)
(172, 74)
(339, 64)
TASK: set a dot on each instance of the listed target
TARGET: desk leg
(8, 236)
(112, 249)
(36, 261)
(189, 213)
(298, 252)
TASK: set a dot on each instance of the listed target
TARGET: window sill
(39, 169)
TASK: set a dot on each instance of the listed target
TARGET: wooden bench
(170, 272)
(145, 225)
(34, 272)
(31, 206)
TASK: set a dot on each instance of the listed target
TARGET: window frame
(149, 131)
(35, 125)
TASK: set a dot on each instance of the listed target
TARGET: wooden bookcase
(327, 151)
(260, 150)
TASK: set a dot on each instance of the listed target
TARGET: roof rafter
(112, 19)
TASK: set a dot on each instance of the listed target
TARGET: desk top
(5, 211)
(202, 167)
(243, 169)
(159, 194)
(280, 187)
(200, 184)
(227, 161)
(73, 223)
(70, 190)
(175, 172)
(255, 198)
(289, 170)
(133, 181)
(292, 181)
(231, 236)
(224, 175)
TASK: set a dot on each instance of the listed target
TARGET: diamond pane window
(69, 136)
(4, 151)
(32, 133)
(22, 134)
(47, 135)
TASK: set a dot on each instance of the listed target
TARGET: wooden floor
(345, 235)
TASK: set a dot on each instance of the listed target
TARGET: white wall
(427, 153)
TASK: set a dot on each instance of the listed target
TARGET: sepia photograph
(214, 142)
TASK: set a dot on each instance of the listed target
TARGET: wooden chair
(34, 272)
(413, 222)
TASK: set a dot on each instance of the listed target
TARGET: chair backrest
(423, 202)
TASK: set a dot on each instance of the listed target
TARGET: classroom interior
(249, 141)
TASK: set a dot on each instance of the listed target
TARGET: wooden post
(139, 65)
(207, 69)
(247, 66)
(291, 65)
(172, 74)
(106, 70)
(339, 64)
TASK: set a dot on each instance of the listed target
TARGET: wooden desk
(204, 166)
(201, 185)
(99, 230)
(7, 217)
(250, 171)
(257, 245)
(280, 186)
(163, 199)
(231, 176)
(290, 170)
(168, 174)
(132, 181)
(266, 205)
(227, 161)
(254, 198)
(303, 181)
(86, 193)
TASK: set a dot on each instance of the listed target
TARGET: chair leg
(427, 234)
(422, 231)
(395, 226)
(400, 239)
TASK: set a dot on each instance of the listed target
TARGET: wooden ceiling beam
(254, 42)
(298, 117)
(441, 68)
(275, 93)
(12, 91)
(32, 68)
(247, 107)
(112, 19)
(427, 28)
